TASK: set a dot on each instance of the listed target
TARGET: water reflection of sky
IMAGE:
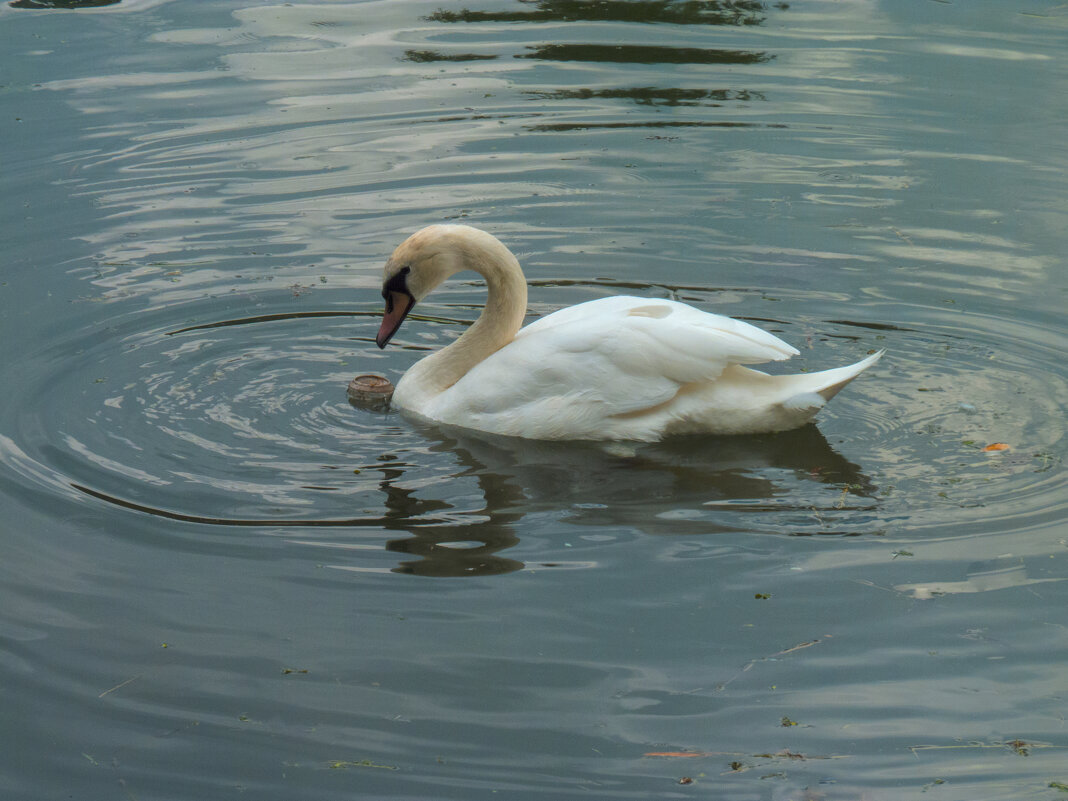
(294, 155)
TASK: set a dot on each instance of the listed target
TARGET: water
(219, 580)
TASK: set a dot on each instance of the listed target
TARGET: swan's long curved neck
(506, 306)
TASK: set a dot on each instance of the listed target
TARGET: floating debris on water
(371, 392)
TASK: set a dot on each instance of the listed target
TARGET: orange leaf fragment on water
(996, 446)
(674, 754)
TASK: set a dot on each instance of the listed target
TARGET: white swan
(618, 368)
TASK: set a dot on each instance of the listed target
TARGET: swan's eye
(397, 283)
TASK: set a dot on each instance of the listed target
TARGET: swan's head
(422, 262)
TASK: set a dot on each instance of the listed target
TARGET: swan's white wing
(677, 329)
(608, 357)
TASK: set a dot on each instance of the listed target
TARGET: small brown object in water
(370, 392)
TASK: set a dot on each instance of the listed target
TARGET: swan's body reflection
(641, 487)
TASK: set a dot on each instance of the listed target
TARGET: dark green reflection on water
(653, 96)
(585, 126)
(642, 54)
(618, 54)
(689, 12)
(426, 56)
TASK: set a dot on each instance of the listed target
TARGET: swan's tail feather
(813, 390)
(840, 376)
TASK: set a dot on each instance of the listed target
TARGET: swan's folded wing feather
(675, 323)
(561, 368)
(615, 356)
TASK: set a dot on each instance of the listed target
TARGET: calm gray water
(220, 580)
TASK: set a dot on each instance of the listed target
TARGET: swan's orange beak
(398, 304)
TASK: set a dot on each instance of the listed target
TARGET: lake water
(220, 580)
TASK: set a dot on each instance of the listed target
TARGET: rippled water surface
(218, 579)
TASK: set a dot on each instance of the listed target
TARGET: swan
(617, 368)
